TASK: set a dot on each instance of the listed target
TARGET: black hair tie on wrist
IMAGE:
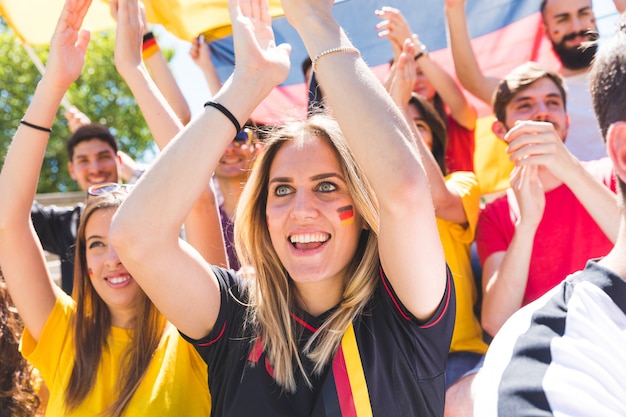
(32, 126)
(225, 112)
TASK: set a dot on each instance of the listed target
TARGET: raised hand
(394, 27)
(200, 52)
(68, 45)
(254, 44)
(404, 76)
(538, 143)
(530, 196)
(129, 34)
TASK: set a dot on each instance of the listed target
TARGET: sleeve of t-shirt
(494, 229)
(466, 186)
(230, 316)
(46, 221)
(54, 338)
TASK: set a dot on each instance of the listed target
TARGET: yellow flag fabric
(187, 19)
(34, 20)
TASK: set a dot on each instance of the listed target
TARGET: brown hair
(18, 396)
(519, 79)
(437, 126)
(92, 326)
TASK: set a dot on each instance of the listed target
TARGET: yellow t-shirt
(175, 383)
(456, 241)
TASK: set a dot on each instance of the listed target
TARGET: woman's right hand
(68, 46)
(256, 52)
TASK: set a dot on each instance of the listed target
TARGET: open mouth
(308, 241)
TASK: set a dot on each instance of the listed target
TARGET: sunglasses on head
(107, 187)
(243, 138)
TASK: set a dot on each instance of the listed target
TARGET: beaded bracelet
(149, 46)
(226, 113)
(32, 126)
(343, 49)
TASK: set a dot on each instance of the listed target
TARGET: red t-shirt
(565, 239)
(460, 151)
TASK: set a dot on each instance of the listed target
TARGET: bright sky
(194, 87)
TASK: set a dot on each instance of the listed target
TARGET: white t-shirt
(584, 139)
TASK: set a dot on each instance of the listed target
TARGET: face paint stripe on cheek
(90, 273)
(346, 215)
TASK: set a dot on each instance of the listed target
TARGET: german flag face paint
(346, 215)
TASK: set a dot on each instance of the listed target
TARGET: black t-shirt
(388, 363)
(56, 228)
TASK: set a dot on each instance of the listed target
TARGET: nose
(541, 113)
(304, 205)
(112, 261)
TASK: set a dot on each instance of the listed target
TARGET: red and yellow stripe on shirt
(351, 392)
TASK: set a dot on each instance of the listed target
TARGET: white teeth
(118, 280)
(308, 238)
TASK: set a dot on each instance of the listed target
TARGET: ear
(498, 128)
(70, 168)
(616, 147)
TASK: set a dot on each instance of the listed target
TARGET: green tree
(100, 93)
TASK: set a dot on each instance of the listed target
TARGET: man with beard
(568, 24)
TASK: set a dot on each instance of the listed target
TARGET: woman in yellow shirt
(106, 350)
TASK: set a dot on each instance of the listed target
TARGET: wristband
(226, 113)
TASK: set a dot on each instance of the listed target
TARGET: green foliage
(100, 93)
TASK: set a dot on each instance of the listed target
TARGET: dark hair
(519, 79)
(306, 65)
(18, 396)
(88, 132)
(544, 3)
(437, 126)
(607, 83)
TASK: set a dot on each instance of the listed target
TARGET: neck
(615, 260)
(316, 298)
(567, 72)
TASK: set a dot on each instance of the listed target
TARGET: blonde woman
(351, 308)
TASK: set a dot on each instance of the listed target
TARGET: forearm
(599, 201)
(166, 83)
(22, 165)
(203, 229)
(450, 93)
(448, 205)
(506, 280)
(161, 119)
(466, 66)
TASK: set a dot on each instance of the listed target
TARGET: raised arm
(21, 255)
(505, 273)
(181, 284)
(159, 68)
(203, 227)
(201, 56)
(397, 29)
(448, 203)
(409, 245)
(466, 66)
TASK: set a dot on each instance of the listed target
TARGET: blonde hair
(92, 325)
(272, 295)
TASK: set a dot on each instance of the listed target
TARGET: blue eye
(282, 190)
(326, 187)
